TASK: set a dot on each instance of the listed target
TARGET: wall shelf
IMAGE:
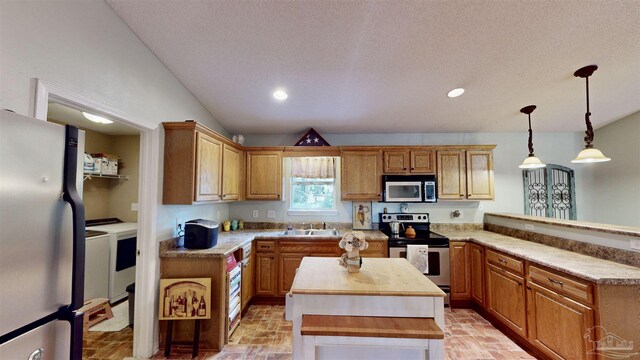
(103, 176)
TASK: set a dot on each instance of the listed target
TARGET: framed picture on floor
(185, 299)
(361, 215)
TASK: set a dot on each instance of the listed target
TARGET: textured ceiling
(386, 66)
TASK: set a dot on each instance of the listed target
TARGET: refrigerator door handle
(70, 195)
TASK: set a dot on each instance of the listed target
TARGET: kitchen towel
(418, 256)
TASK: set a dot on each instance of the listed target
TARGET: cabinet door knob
(412, 168)
(461, 195)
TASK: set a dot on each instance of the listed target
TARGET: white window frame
(311, 212)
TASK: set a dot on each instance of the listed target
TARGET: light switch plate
(134, 206)
(635, 245)
(271, 214)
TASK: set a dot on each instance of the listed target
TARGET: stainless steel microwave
(409, 188)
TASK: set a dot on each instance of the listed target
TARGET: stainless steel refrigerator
(41, 239)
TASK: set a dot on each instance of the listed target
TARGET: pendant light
(531, 162)
(589, 154)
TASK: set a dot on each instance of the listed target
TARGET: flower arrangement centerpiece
(353, 242)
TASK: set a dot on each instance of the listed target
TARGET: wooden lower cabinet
(476, 263)
(248, 281)
(459, 260)
(266, 274)
(213, 333)
(506, 298)
(277, 261)
(557, 324)
(288, 264)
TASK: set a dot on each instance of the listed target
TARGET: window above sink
(312, 185)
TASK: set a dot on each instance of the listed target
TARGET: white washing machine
(123, 238)
(96, 265)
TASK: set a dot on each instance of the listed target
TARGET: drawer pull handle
(502, 261)
(553, 281)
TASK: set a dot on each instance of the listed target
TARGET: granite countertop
(579, 265)
(574, 224)
(377, 277)
(231, 241)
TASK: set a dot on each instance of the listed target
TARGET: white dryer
(123, 238)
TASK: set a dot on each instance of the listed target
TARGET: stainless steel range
(394, 225)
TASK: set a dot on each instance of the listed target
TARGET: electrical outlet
(635, 245)
(529, 227)
(255, 213)
(218, 215)
(134, 206)
(271, 214)
(179, 226)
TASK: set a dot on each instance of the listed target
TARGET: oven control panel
(405, 218)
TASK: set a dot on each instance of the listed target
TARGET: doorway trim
(147, 264)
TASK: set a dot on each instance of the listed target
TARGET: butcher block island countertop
(383, 292)
(377, 277)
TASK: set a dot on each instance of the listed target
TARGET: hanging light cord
(589, 133)
(530, 137)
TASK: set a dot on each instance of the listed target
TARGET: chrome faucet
(324, 226)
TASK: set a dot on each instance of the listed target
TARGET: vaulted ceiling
(386, 66)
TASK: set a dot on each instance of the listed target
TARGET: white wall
(552, 148)
(84, 47)
(615, 185)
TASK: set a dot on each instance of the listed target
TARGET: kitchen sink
(312, 232)
(318, 232)
(294, 232)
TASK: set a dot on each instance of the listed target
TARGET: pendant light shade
(589, 154)
(531, 161)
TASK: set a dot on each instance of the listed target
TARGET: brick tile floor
(264, 334)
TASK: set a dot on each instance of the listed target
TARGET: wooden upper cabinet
(465, 174)
(451, 175)
(193, 164)
(208, 169)
(419, 161)
(423, 161)
(264, 175)
(395, 162)
(361, 174)
(479, 175)
(231, 162)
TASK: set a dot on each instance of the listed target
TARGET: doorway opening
(146, 260)
(110, 196)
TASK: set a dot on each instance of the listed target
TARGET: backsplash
(602, 252)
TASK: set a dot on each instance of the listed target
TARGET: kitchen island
(390, 288)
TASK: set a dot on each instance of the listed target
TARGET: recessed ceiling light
(455, 92)
(96, 118)
(280, 95)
